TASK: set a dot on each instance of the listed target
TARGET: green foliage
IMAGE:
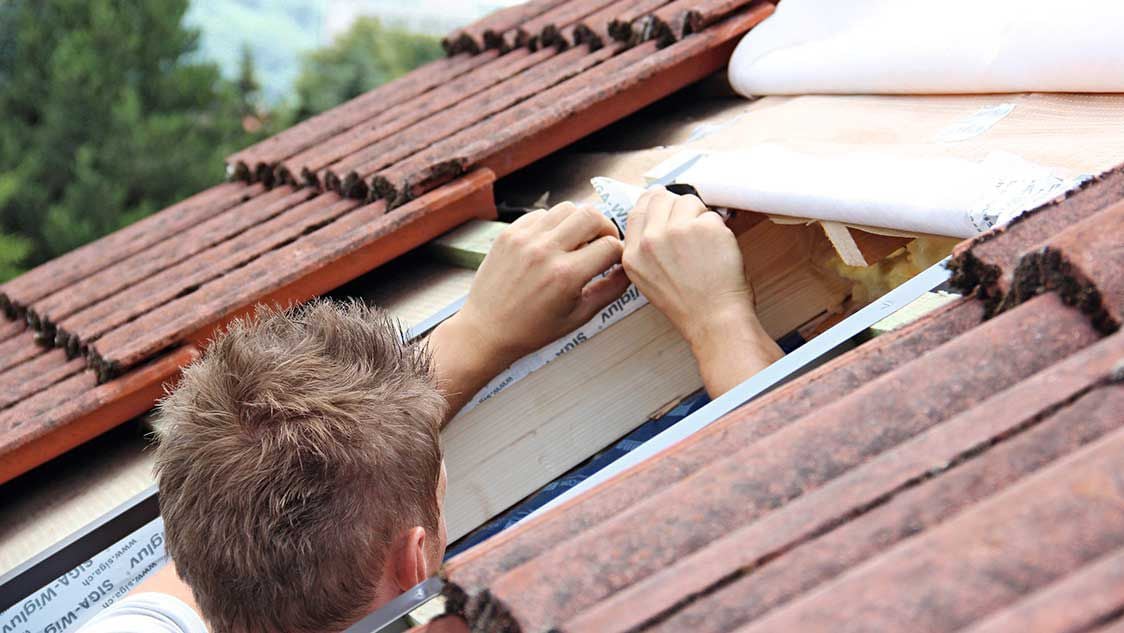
(104, 118)
(248, 86)
(13, 249)
(366, 55)
(107, 112)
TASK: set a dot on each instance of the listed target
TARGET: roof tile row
(392, 140)
(958, 470)
(162, 286)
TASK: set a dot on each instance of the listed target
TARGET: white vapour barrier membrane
(897, 165)
(939, 195)
(76, 596)
(925, 47)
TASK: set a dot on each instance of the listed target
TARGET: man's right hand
(540, 281)
(687, 262)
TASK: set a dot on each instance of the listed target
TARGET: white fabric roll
(948, 196)
(927, 47)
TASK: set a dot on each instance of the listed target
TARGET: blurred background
(114, 109)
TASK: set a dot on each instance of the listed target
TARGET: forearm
(464, 361)
(730, 349)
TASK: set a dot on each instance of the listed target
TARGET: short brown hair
(289, 457)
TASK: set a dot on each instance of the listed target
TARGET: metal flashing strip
(769, 378)
(397, 608)
(435, 319)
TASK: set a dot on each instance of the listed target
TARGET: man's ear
(410, 565)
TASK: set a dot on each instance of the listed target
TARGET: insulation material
(936, 195)
(944, 165)
(923, 47)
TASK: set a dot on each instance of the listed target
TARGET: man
(300, 464)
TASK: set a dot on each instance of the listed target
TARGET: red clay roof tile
(34, 375)
(853, 494)
(174, 248)
(262, 157)
(304, 167)
(986, 264)
(611, 89)
(1079, 602)
(479, 566)
(77, 409)
(594, 29)
(796, 459)
(8, 329)
(811, 564)
(19, 349)
(560, 31)
(366, 236)
(1021, 540)
(82, 262)
(78, 330)
(625, 25)
(1084, 264)
(487, 32)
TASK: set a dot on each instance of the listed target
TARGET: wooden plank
(411, 288)
(550, 421)
(50, 504)
(926, 303)
(513, 444)
(467, 245)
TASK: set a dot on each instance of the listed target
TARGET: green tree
(366, 55)
(248, 86)
(104, 117)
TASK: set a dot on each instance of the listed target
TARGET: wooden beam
(411, 288)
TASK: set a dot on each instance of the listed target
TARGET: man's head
(300, 470)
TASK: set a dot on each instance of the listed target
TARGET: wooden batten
(467, 245)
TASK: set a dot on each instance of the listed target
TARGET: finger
(557, 214)
(601, 292)
(659, 210)
(581, 227)
(687, 208)
(595, 258)
(712, 218)
(639, 213)
(530, 219)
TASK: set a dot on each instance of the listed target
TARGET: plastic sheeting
(926, 47)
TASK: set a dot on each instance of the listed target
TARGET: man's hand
(686, 261)
(538, 283)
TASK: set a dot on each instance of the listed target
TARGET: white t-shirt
(147, 613)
